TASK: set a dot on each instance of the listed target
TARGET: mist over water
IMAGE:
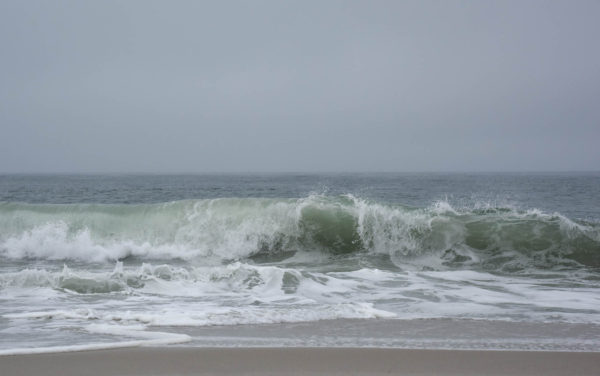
(88, 259)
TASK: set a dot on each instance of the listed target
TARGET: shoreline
(300, 361)
(417, 334)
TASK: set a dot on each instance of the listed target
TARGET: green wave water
(436, 237)
(94, 261)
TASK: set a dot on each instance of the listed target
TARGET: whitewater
(92, 262)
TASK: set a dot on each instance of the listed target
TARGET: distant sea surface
(501, 261)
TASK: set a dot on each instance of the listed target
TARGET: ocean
(414, 260)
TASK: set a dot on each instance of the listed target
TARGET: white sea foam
(241, 293)
(210, 231)
(148, 338)
(238, 293)
(128, 269)
(209, 315)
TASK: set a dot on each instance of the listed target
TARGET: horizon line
(287, 172)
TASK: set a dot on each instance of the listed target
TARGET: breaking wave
(228, 229)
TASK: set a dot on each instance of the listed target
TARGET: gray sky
(198, 86)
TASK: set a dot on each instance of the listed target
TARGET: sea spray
(209, 231)
(96, 262)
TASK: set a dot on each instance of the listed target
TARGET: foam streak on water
(98, 275)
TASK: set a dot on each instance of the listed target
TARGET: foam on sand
(148, 338)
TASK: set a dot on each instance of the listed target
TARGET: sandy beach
(300, 361)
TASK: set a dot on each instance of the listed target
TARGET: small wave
(148, 338)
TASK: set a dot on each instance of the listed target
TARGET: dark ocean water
(87, 259)
(576, 195)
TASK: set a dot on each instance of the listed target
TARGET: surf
(213, 231)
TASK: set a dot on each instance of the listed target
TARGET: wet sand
(300, 361)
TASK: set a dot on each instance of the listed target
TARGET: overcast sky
(229, 86)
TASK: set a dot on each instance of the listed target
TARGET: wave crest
(438, 236)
